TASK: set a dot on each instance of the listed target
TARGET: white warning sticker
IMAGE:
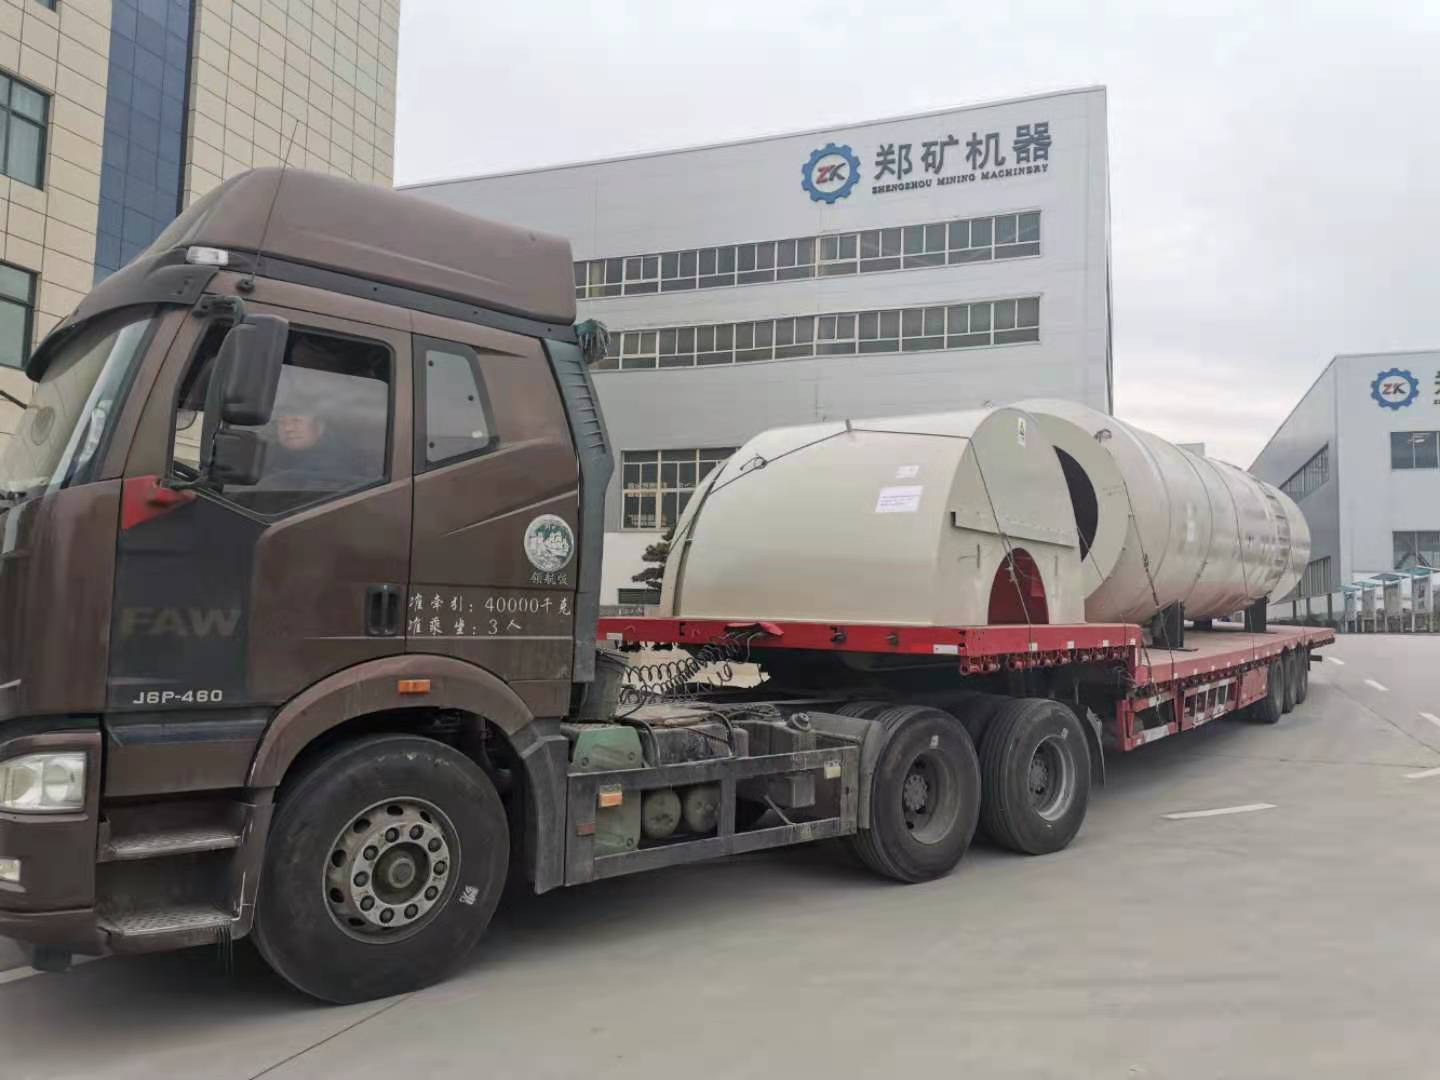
(899, 500)
(1020, 430)
(907, 472)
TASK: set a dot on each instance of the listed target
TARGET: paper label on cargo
(907, 472)
(1020, 430)
(899, 500)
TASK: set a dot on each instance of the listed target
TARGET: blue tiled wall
(144, 127)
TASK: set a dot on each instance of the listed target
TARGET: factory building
(920, 263)
(1360, 454)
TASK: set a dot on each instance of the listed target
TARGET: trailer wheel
(1302, 681)
(1269, 709)
(384, 864)
(1035, 775)
(1291, 678)
(924, 796)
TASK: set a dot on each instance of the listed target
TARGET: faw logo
(179, 622)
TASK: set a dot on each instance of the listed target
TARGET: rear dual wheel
(1035, 774)
(924, 794)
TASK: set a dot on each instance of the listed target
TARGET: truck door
(245, 596)
(496, 509)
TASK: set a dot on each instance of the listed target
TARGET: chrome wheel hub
(389, 869)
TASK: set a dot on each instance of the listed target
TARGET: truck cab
(323, 453)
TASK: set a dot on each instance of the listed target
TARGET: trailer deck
(1172, 690)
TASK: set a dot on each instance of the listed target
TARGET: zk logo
(1395, 389)
(831, 173)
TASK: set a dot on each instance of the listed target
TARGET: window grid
(921, 329)
(1316, 580)
(939, 243)
(658, 483)
(1417, 549)
(24, 118)
(1415, 449)
(17, 315)
(1309, 476)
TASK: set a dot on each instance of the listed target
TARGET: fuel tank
(951, 519)
(1158, 524)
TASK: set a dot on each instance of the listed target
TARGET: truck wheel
(1269, 709)
(1302, 672)
(924, 796)
(866, 710)
(384, 864)
(1292, 676)
(1035, 775)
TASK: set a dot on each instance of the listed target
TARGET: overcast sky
(1274, 176)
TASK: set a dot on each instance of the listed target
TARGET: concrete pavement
(1297, 940)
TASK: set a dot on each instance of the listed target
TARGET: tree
(653, 576)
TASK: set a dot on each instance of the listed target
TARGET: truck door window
(329, 433)
(457, 413)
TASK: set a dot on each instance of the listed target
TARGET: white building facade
(916, 264)
(1360, 454)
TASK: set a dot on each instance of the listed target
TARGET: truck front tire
(924, 796)
(385, 862)
(1035, 775)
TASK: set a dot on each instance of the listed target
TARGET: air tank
(1158, 524)
(952, 519)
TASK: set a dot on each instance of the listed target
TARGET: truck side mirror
(250, 360)
(237, 457)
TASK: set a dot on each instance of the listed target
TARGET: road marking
(1247, 808)
(1432, 718)
(1422, 775)
(1335, 660)
(1377, 686)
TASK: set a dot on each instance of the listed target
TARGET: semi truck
(300, 635)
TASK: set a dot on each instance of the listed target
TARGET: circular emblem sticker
(549, 543)
(1395, 389)
(830, 173)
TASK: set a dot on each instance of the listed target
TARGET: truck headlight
(43, 783)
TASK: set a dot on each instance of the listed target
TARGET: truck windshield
(57, 437)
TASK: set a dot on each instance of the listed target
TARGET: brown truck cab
(320, 469)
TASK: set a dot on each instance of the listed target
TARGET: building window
(1415, 450)
(23, 114)
(17, 315)
(956, 326)
(938, 243)
(47, 3)
(1309, 476)
(142, 157)
(1316, 580)
(658, 483)
(1417, 549)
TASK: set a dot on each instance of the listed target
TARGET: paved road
(1299, 940)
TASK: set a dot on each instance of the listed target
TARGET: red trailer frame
(1216, 672)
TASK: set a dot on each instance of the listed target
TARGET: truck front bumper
(53, 903)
